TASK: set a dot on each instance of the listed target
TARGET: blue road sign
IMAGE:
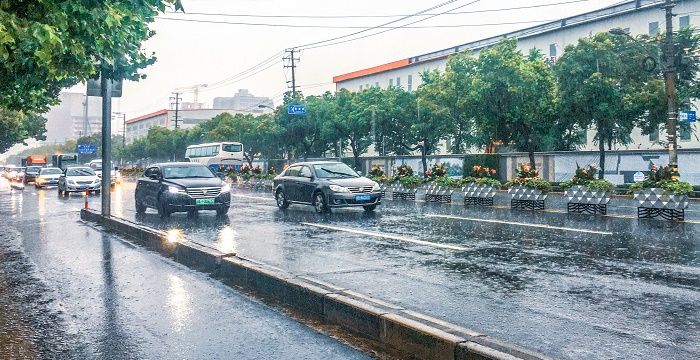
(87, 149)
(296, 110)
(687, 116)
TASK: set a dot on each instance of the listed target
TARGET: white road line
(542, 226)
(252, 197)
(388, 236)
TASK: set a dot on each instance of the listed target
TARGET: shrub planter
(526, 198)
(654, 202)
(479, 194)
(582, 199)
(440, 194)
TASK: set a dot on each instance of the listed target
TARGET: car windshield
(334, 171)
(182, 172)
(51, 171)
(80, 172)
(233, 147)
(33, 169)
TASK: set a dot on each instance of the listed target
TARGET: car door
(291, 190)
(148, 185)
(305, 185)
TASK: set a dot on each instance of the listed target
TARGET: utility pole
(176, 98)
(292, 60)
(117, 115)
(106, 90)
(670, 79)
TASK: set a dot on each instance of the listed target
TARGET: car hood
(195, 182)
(82, 178)
(352, 182)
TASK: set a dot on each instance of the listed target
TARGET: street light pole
(670, 79)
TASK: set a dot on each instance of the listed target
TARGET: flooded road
(569, 286)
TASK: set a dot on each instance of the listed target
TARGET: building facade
(75, 116)
(186, 119)
(243, 100)
(637, 17)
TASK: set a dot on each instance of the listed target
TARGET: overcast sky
(203, 53)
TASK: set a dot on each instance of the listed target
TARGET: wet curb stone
(407, 331)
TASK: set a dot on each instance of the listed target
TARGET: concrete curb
(409, 332)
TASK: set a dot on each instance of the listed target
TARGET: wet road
(69, 291)
(570, 286)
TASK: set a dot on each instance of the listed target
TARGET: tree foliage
(17, 126)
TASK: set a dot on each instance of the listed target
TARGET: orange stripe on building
(148, 116)
(371, 71)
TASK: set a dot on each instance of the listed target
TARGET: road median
(390, 325)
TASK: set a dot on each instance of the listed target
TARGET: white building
(186, 119)
(76, 115)
(638, 17)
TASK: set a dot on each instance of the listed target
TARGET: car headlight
(376, 187)
(173, 189)
(226, 188)
(338, 188)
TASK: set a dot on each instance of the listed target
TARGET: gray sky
(194, 53)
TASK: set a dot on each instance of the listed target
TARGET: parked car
(12, 172)
(325, 185)
(30, 174)
(78, 179)
(181, 187)
(47, 177)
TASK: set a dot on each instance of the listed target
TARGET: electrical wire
(375, 16)
(356, 27)
(230, 82)
(244, 72)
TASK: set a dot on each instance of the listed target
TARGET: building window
(398, 81)
(684, 131)
(552, 50)
(654, 136)
(360, 87)
(409, 83)
(391, 82)
(654, 28)
(684, 21)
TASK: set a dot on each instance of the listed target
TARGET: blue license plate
(82, 187)
(363, 198)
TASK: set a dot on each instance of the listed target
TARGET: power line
(376, 16)
(372, 28)
(233, 81)
(324, 44)
(358, 26)
(250, 69)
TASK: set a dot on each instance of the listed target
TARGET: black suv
(181, 187)
(325, 185)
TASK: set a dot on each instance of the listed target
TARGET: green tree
(600, 89)
(17, 126)
(351, 122)
(301, 135)
(259, 134)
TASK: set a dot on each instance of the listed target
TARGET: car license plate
(82, 187)
(363, 198)
(204, 202)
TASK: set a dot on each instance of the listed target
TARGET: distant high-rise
(243, 100)
(75, 116)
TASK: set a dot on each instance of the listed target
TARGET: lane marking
(542, 226)
(388, 236)
(252, 197)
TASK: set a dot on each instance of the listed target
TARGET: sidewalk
(118, 301)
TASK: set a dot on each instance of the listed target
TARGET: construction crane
(195, 91)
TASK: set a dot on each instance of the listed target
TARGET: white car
(78, 179)
(115, 178)
(47, 177)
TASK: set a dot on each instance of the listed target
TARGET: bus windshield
(233, 147)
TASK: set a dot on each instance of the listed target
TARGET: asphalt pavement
(70, 291)
(569, 286)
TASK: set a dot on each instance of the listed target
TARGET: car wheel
(37, 186)
(163, 210)
(320, 203)
(282, 202)
(140, 208)
(370, 208)
(221, 211)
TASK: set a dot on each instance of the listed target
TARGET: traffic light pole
(670, 79)
(106, 90)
